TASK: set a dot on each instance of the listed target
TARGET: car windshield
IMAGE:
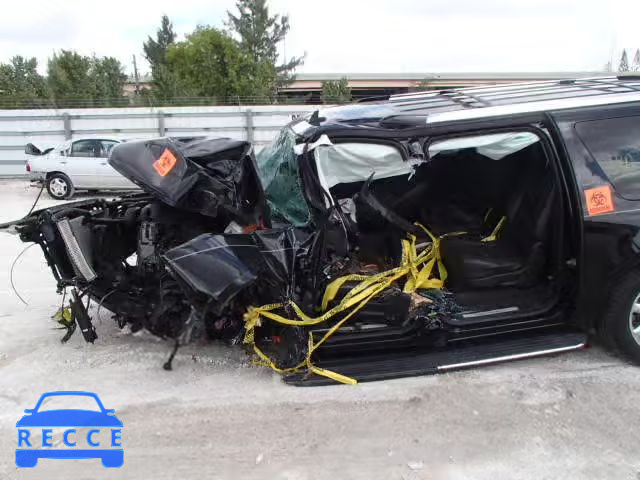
(69, 402)
(278, 170)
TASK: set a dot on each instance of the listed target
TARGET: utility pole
(135, 76)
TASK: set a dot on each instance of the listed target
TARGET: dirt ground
(575, 416)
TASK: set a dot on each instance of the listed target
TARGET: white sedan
(75, 165)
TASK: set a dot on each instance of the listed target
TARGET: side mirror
(31, 149)
(28, 410)
(109, 411)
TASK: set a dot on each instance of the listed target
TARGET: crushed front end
(225, 246)
(112, 251)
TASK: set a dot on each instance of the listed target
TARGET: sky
(343, 36)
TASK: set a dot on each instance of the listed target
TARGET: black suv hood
(208, 175)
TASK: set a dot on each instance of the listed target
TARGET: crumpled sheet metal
(185, 183)
(220, 266)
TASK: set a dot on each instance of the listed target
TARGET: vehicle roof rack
(498, 95)
(466, 99)
(372, 99)
(402, 121)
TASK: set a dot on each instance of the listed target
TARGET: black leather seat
(518, 257)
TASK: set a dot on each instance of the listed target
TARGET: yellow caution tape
(63, 316)
(417, 267)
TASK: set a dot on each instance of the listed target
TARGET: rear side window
(107, 145)
(86, 148)
(615, 144)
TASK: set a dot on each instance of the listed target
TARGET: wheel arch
(50, 174)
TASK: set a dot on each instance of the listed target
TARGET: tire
(59, 186)
(620, 326)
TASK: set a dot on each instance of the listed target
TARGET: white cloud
(456, 35)
(116, 27)
(353, 35)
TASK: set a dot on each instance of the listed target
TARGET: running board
(489, 313)
(395, 365)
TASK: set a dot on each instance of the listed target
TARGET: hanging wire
(11, 273)
(36, 202)
(15, 261)
(105, 296)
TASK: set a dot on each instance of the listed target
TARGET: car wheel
(620, 327)
(59, 186)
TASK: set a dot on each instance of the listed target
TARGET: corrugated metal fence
(258, 124)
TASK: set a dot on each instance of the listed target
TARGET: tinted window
(107, 145)
(86, 148)
(615, 144)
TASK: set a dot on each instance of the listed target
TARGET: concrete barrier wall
(255, 123)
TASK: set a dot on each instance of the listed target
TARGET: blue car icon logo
(104, 429)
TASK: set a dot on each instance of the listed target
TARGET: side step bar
(415, 363)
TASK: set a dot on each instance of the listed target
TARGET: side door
(112, 178)
(603, 149)
(82, 165)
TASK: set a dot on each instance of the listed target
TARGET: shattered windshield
(278, 170)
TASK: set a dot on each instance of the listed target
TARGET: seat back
(529, 207)
(520, 254)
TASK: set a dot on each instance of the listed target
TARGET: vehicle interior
(493, 200)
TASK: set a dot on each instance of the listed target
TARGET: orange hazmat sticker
(165, 163)
(599, 200)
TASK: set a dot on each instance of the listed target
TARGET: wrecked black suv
(419, 234)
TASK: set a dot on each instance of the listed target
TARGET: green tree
(165, 84)
(210, 63)
(21, 84)
(624, 62)
(78, 80)
(109, 78)
(636, 61)
(6, 80)
(155, 50)
(69, 78)
(260, 33)
(336, 91)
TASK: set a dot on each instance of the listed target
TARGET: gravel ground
(215, 416)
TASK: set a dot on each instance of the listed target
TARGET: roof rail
(491, 96)
(402, 121)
